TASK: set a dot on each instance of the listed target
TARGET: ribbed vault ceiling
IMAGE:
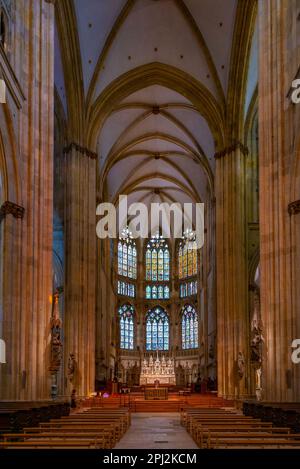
(155, 145)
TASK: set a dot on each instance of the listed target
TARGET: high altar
(158, 371)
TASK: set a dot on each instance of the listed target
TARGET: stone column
(80, 248)
(232, 320)
(279, 121)
(28, 243)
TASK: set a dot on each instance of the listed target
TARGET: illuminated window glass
(127, 256)
(166, 292)
(148, 265)
(157, 329)
(188, 288)
(157, 260)
(126, 315)
(189, 327)
(126, 289)
(160, 292)
(187, 257)
(148, 292)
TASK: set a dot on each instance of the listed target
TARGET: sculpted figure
(71, 366)
(241, 364)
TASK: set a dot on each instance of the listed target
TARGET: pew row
(85, 430)
(228, 429)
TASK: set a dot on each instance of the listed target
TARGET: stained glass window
(157, 329)
(157, 260)
(126, 289)
(189, 327)
(148, 292)
(187, 257)
(188, 288)
(160, 292)
(126, 315)
(127, 255)
(166, 292)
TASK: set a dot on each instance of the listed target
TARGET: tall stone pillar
(28, 242)
(232, 320)
(279, 123)
(80, 247)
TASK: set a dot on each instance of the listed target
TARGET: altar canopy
(158, 371)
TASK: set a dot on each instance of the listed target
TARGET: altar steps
(168, 405)
(174, 403)
(137, 403)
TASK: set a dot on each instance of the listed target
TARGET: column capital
(83, 150)
(294, 207)
(11, 208)
(237, 145)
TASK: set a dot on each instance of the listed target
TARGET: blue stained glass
(127, 257)
(126, 317)
(157, 329)
(188, 289)
(189, 327)
(126, 289)
(148, 291)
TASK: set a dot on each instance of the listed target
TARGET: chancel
(109, 339)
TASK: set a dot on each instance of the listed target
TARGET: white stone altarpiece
(158, 371)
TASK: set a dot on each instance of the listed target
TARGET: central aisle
(156, 431)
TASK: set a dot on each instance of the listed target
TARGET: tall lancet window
(188, 265)
(157, 329)
(157, 260)
(126, 316)
(157, 265)
(127, 255)
(189, 327)
(127, 265)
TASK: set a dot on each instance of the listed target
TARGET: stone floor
(156, 431)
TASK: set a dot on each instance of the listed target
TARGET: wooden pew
(221, 429)
(257, 442)
(102, 437)
(100, 428)
(203, 435)
(15, 415)
(114, 428)
(51, 444)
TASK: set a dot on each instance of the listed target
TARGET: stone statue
(256, 331)
(56, 343)
(258, 390)
(241, 365)
(56, 350)
(71, 367)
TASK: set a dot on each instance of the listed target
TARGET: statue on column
(56, 343)
(258, 385)
(241, 365)
(71, 367)
(256, 331)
